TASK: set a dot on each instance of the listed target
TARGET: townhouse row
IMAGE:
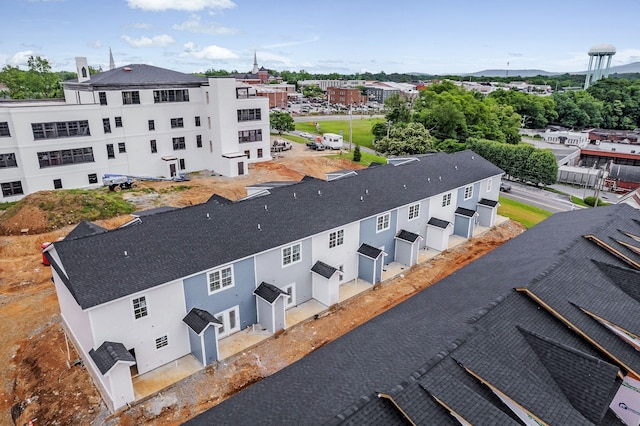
(175, 283)
(137, 120)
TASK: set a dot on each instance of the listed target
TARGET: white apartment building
(136, 120)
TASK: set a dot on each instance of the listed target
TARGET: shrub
(591, 201)
(357, 155)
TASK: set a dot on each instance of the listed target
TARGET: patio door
(230, 320)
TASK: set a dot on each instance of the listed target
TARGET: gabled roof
(439, 223)
(84, 229)
(408, 236)
(323, 269)
(169, 246)
(199, 319)
(404, 350)
(369, 251)
(465, 212)
(269, 292)
(488, 203)
(109, 354)
(138, 75)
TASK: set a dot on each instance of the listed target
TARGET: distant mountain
(633, 67)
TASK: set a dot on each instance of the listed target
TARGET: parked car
(316, 146)
(306, 135)
(505, 187)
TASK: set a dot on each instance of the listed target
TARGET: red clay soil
(43, 379)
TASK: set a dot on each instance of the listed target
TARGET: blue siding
(210, 344)
(241, 294)
(365, 269)
(368, 235)
(462, 226)
(472, 202)
(196, 347)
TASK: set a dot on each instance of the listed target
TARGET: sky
(320, 36)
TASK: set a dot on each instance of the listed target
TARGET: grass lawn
(526, 214)
(361, 128)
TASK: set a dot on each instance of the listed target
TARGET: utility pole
(350, 126)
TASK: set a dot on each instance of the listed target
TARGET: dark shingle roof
(407, 236)
(369, 251)
(399, 345)
(199, 319)
(109, 354)
(438, 223)
(156, 210)
(268, 292)
(85, 229)
(490, 203)
(323, 269)
(465, 212)
(168, 246)
(139, 75)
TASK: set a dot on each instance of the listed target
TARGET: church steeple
(255, 63)
(112, 64)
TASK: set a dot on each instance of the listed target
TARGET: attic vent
(126, 69)
(473, 157)
(294, 195)
(456, 167)
(361, 198)
(265, 207)
(208, 216)
(126, 254)
(404, 186)
(319, 192)
(259, 228)
(366, 191)
(440, 177)
(429, 180)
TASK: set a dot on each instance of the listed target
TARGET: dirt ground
(42, 378)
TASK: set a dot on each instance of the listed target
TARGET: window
(122, 147)
(57, 184)
(247, 153)
(178, 143)
(259, 152)
(118, 121)
(110, 152)
(336, 238)
(161, 342)
(103, 98)
(182, 166)
(242, 93)
(230, 320)
(198, 121)
(130, 98)
(291, 254)
(106, 125)
(251, 114)
(383, 222)
(11, 188)
(220, 279)
(4, 129)
(180, 95)
(93, 178)
(154, 147)
(177, 122)
(140, 307)
(8, 160)
(489, 184)
(65, 156)
(446, 200)
(199, 141)
(152, 125)
(468, 192)
(414, 211)
(61, 129)
(249, 135)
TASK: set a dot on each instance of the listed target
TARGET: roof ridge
(484, 311)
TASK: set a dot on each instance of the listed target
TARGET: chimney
(82, 68)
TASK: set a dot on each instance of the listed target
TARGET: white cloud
(97, 44)
(195, 25)
(155, 41)
(185, 5)
(207, 52)
(20, 58)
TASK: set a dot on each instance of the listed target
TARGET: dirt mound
(27, 219)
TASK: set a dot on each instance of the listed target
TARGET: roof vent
(126, 254)
(361, 198)
(265, 207)
(208, 216)
(404, 186)
(259, 228)
(440, 177)
(456, 167)
(319, 192)
(127, 69)
(294, 195)
(473, 157)
(429, 179)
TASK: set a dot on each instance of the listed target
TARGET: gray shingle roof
(268, 292)
(438, 223)
(414, 339)
(85, 229)
(139, 75)
(199, 319)
(465, 212)
(369, 251)
(109, 354)
(323, 269)
(168, 246)
(407, 236)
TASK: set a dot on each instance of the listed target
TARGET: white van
(332, 140)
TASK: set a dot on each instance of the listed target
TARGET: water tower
(596, 71)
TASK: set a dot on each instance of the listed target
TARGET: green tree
(380, 130)
(36, 83)
(578, 109)
(281, 121)
(408, 139)
(357, 155)
(450, 146)
(312, 91)
(541, 167)
(396, 109)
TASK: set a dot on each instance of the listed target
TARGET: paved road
(546, 200)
